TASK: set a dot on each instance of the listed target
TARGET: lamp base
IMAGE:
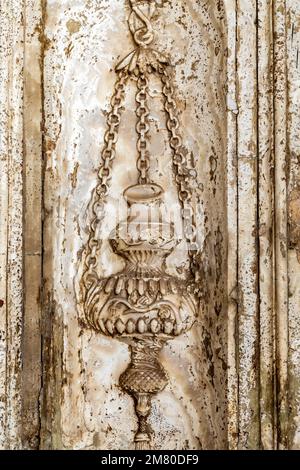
(144, 378)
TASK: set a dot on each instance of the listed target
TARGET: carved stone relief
(121, 122)
(143, 304)
(138, 276)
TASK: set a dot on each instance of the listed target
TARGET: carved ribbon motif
(142, 305)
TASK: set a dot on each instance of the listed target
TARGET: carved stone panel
(84, 46)
(149, 236)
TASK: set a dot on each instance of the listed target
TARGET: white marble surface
(84, 42)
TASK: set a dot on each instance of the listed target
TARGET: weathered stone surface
(293, 128)
(234, 378)
(32, 248)
(11, 230)
(79, 80)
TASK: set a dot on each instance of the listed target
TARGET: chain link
(142, 129)
(104, 176)
(183, 172)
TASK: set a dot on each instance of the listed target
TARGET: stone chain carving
(142, 128)
(183, 172)
(142, 305)
(104, 177)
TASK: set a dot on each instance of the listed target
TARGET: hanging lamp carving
(142, 305)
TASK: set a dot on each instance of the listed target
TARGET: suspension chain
(104, 176)
(142, 128)
(183, 173)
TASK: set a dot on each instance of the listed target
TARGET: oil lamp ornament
(142, 305)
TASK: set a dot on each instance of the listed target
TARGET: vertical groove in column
(293, 156)
(232, 209)
(12, 32)
(5, 51)
(266, 217)
(249, 413)
(281, 263)
(31, 343)
(53, 349)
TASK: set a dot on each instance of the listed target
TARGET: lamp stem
(144, 378)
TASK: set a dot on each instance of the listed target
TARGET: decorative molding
(11, 216)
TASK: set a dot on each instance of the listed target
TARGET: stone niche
(83, 405)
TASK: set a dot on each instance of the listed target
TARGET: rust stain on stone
(74, 175)
(294, 222)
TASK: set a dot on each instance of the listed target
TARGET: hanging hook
(143, 36)
(140, 25)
